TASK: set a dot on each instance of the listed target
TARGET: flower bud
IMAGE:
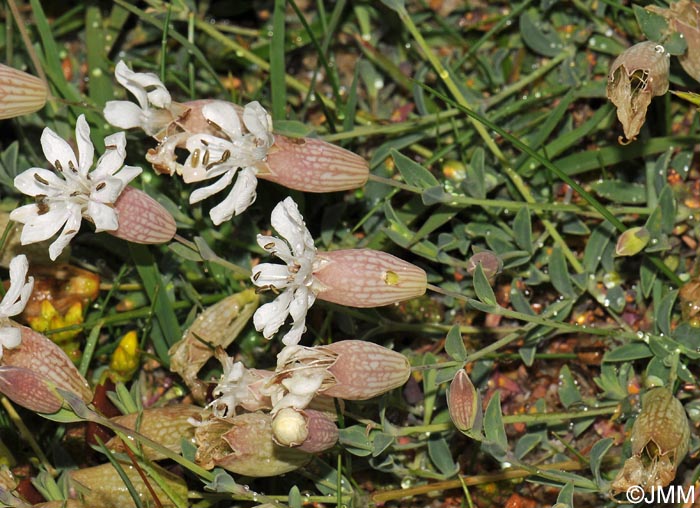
(366, 278)
(313, 165)
(637, 75)
(102, 486)
(632, 241)
(464, 403)
(244, 445)
(165, 425)
(660, 439)
(364, 370)
(31, 372)
(142, 219)
(20, 93)
(307, 430)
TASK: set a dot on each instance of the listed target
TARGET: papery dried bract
(244, 445)
(20, 93)
(660, 439)
(637, 75)
(684, 17)
(218, 325)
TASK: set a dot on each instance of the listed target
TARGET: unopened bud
(367, 278)
(464, 403)
(307, 430)
(632, 241)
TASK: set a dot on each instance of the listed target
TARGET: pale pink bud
(102, 486)
(31, 372)
(244, 445)
(313, 165)
(464, 403)
(307, 430)
(20, 93)
(364, 370)
(366, 278)
(167, 426)
(142, 219)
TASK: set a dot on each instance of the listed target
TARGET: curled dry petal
(142, 219)
(367, 278)
(313, 165)
(167, 426)
(20, 93)
(637, 75)
(31, 372)
(244, 445)
(464, 403)
(364, 370)
(103, 487)
(660, 439)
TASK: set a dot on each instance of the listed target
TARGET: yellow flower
(125, 359)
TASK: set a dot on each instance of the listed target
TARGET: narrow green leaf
(441, 456)
(277, 58)
(568, 390)
(565, 499)
(454, 345)
(663, 312)
(628, 352)
(654, 26)
(476, 175)
(526, 444)
(294, 498)
(596, 458)
(494, 428)
(412, 172)
(522, 230)
(538, 35)
(559, 275)
(482, 287)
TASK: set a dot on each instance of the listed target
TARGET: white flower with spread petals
(64, 198)
(295, 280)
(153, 110)
(213, 156)
(15, 300)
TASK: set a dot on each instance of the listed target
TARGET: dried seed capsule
(660, 439)
(637, 75)
(366, 278)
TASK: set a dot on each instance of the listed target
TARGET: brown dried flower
(637, 75)
(684, 17)
(660, 439)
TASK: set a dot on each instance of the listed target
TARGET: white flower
(64, 198)
(15, 300)
(150, 93)
(213, 156)
(296, 279)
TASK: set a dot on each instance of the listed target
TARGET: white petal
(109, 191)
(270, 274)
(271, 316)
(127, 173)
(69, 231)
(225, 115)
(16, 297)
(104, 217)
(289, 223)
(124, 114)
(86, 151)
(276, 247)
(125, 77)
(10, 337)
(24, 214)
(44, 226)
(113, 158)
(258, 122)
(57, 149)
(242, 195)
(29, 183)
(204, 192)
